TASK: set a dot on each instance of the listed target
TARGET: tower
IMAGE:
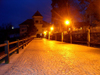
(38, 22)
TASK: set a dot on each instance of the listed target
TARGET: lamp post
(45, 33)
(51, 28)
(67, 22)
(88, 37)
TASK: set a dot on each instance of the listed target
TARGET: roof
(30, 22)
(45, 24)
(37, 14)
(27, 22)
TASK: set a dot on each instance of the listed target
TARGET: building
(35, 26)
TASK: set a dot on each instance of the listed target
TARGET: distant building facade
(37, 23)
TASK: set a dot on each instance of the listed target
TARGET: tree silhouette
(65, 9)
(92, 7)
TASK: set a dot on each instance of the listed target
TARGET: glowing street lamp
(67, 22)
(45, 33)
(52, 28)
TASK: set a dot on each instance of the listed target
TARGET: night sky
(17, 11)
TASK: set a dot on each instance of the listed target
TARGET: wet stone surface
(46, 57)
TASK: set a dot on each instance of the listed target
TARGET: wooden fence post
(62, 36)
(22, 44)
(49, 35)
(88, 37)
(70, 36)
(25, 42)
(18, 45)
(7, 52)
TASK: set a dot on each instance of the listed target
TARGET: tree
(65, 9)
(92, 8)
(5, 31)
(59, 9)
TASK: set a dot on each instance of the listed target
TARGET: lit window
(81, 28)
(40, 34)
(12, 27)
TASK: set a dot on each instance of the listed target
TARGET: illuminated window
(81, 28)
(40, 34)
(12, 27)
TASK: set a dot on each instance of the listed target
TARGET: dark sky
(17, 11)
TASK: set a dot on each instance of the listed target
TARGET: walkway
(46, 57)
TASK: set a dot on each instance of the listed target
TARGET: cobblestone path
(46, 57)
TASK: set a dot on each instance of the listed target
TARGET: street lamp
(67, 22)
(52, 28)
(45, 33)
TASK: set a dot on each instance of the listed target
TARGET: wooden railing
(19, 44)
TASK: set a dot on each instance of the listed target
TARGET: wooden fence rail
(19, 44)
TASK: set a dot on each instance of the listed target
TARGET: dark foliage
(6, 32)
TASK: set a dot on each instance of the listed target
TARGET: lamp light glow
(45, 32)
(67, 22)
(52, 28)
(69, 29)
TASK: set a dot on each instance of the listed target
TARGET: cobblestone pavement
(46, 57)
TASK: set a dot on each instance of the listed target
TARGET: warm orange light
(81, 28)
(67, 22)
(52, 28)
(69, 28)
(45, 32)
